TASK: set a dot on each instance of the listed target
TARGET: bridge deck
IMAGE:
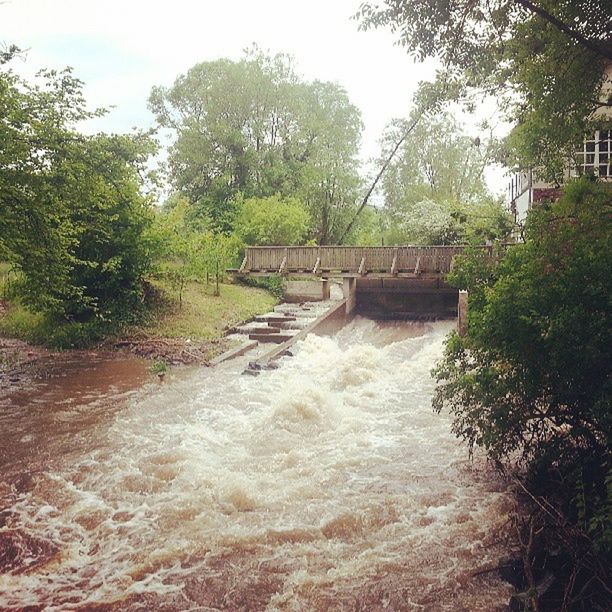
(405, 261)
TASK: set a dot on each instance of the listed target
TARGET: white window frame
(595, 156)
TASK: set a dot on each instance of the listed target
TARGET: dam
(381, 282)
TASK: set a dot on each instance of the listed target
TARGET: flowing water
(327, 484)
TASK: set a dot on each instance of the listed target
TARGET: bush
(533, 374)
(72, 218)
(275, 284)
(47, 330)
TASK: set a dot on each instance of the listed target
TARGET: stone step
(274, 319)
(264, 330)
(276, 338)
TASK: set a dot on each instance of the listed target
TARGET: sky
(122, 48)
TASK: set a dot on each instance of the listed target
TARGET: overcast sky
(121, 48)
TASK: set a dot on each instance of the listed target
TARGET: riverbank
(186, 331)
(192, 330)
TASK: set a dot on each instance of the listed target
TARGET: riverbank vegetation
(530, 383)
(199, 316)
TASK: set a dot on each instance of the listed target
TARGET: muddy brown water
(327, 484)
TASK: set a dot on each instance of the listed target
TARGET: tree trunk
(389, 159)
(217, 290)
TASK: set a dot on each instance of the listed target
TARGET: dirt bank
(19, 364)
(173, 351)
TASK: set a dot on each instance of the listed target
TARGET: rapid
(326, 484)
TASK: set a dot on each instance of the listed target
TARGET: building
(593, 157)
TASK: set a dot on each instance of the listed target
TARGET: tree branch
(591, 45)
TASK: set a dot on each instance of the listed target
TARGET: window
(595, 157)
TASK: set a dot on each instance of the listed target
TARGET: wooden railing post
(283, 263)
(394, 263)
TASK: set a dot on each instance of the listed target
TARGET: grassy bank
(199, 316)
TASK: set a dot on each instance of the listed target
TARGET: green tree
(72, 218)
(176, 257)
(545, 61)
(370, 230)
(272, 221)
(253, 128)
(217, 253)
(434, 188)
(329, 182)
(533, 374)
(186, 253)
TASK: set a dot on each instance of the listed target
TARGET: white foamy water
(328, 484)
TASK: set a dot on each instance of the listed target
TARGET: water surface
(328, 484)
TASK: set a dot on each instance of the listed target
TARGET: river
(327, 484)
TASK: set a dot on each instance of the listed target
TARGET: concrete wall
(335, 320)
(303, 290)
(401, 298)
(404, 298)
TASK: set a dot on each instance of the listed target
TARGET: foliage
(185, 253)
(72, 218)
(274, 284)
(45, 329)
(159, 367)
(252, 128)
(369, 229)
(544, 61)
(434, 189)
(436, 160)
(272, 221)
(532, 375)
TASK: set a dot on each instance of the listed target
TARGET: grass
(203, 316)
(35, 328)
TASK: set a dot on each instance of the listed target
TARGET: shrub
(275, 284)
(533, 374)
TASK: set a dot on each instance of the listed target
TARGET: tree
(72, 218)
(186, 253)
(533, 374)
(434, 188)
(329, 177)
(253, 128)
(543, 60)
(272, 221)
(217, 253)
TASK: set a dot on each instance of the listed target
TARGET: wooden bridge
(346, 261)
(383, 282)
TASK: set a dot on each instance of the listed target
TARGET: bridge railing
(350, 259)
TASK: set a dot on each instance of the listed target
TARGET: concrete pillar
(462, 313)
(325, 289)
(349, 289)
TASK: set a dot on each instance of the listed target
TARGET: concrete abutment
(400, 298)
